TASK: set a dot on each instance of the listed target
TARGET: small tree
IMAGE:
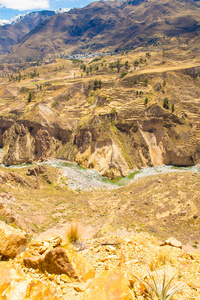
(123, 74)
(148, 54)
(126, 65)
(173, 108)
(146, 81)
(30, 96)
(136, 63)
(164, 83)
(146, 101)
(118, 66)
(166, 103)
(97, 84)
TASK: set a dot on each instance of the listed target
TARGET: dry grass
(74, 232)
(163, 258)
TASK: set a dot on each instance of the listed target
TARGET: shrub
(146, 101)
(30, 96)
(73, 232)
(55, 104)
(136, 63)
(67, 97)
(95, 59)
(126, 65)
(166, 103)
(123, 74)
(173, 108)
(97, 84)
(159, 286)
(148, 54)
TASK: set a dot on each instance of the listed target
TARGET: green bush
(30, 96)
(166, 103)
(123, 74)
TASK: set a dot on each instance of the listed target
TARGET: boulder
(60, 261)
(109, 285)
(172, 242)
(12, 241)
(14, 285)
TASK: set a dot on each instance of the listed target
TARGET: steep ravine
(108, 144)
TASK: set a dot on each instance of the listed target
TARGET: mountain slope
(111, 25)
(10, 34)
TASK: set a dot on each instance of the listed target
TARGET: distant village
(83, 56)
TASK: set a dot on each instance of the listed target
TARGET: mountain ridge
(10, 34)
(105, 25)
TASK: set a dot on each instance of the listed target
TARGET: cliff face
(106, 143)
(159, 137)
(26, 142)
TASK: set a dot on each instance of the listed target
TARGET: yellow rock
(14, 285)
(65, 278)
(61, 261)
(78, 289)
(12, 241)
(109, 285)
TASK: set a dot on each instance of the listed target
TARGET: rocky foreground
(110, 267)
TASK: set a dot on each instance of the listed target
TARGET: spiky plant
(73, 232)
(164, 290)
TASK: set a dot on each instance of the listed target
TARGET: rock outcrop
(158, 138)
(46, 255)
(110, 284)
(173, 243)
(15, 285)
(12, 241)
(24, 146)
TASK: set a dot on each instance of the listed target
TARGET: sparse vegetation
(158, 285)
(148, 54)
(30, 96)
(97, 84)
(166, 103)
(74, 232)
(123, 74)
(55, 104)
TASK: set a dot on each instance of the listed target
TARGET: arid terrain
(112, 128)
(107, 141)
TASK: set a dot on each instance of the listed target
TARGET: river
(86, 179)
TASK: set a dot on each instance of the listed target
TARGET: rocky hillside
(88, 113)
(114, 25)
(103, 268)
(109, 253)
(12, 33)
